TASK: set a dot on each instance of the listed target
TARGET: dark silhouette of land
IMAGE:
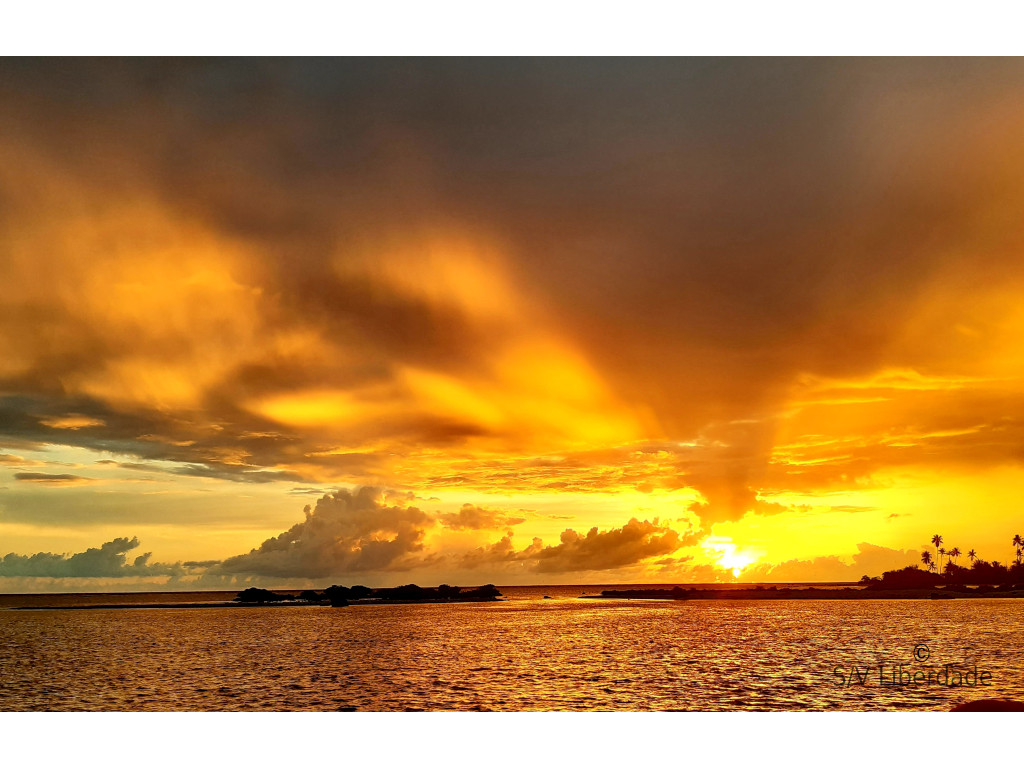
(339, 596)
(805, 593)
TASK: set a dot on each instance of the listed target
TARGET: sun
(728, 556)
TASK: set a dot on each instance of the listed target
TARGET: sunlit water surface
(526, 653)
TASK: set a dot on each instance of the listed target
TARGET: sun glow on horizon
(728, 555)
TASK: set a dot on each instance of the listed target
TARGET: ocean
(525, 653)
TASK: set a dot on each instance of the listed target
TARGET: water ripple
(562, 654)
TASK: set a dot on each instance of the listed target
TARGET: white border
(523, 27)
(508, 740)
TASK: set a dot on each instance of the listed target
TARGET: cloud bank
(108, 560)
(347, 533)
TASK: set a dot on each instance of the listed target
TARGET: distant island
(807, 593)
(339, 596)
(335, 596)
(910, 583)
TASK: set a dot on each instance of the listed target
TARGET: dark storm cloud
(702, 232)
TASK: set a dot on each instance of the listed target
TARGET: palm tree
(1018, 543)
(926, 558)
(954, 553)
(942, 554)
(937, 540)
(972, 554)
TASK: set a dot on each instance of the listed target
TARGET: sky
(301, 322)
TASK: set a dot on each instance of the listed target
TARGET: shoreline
(677, 595)
(233, 604)
(809, 593)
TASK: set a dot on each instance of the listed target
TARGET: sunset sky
(302, 322)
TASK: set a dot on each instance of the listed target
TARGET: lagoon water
(524, 653)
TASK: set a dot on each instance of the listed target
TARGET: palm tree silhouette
(937, 540)
(954, 553)
(926, 558)
(972, 554)
(1018, 543)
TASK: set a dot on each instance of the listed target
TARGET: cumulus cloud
(596, 550)
(108, 560)
(472, 517)
(614, 548)
(501, 553)
(346, 532)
